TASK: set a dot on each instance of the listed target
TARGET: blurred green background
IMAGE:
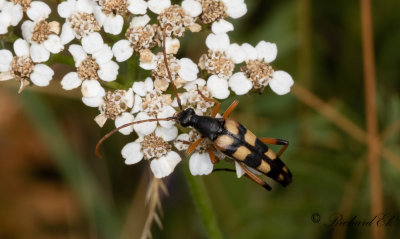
(53, 186)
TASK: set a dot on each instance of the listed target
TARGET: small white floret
(122, 50)
(221, 26)
(267, 51)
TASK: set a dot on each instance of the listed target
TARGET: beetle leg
(217, 104)
(276, 141)
(212, 156)
(194, 145)
(254, 177)
(230, 109)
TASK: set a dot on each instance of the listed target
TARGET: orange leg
(254, 177)
(276, 142)
(230, 109)
(194, 145)
(212, 156)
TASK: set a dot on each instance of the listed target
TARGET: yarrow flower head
(110, 14)
(259, 71)
(80, 21)
(43, 38)
(182, 70)
(22, 68)
(174, 18)
(12, 12)
(214, 10)
(93, 62)
(139, 36)
(155, 148)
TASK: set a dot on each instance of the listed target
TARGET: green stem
(202, 201)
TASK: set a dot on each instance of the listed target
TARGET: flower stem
(203, 204)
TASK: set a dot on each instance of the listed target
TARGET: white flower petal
(145, 128)
(5, 60)
(108, 71)
(167, 134)
(99, 14)
(139, 88)
(137, 6)
(194, 84)
(65, 8)
(188, 69)
(67, 34)
(132, 153)
(236, 53)
(217, 42)
(240, 84)
(39, 53)
(235, 8)
(113, 24)
(281, 82)
(200, 164)
(137, 104)
(267, 51)
(103, 55)
(15, 13)
(148, 60)
(77, 53)
(218, 87)
(85, 6)
(100, 119)
(91, 88)
(122, 50)
(129, 98)
(124, 118)
(192, 7)
(21, 47)
(5, 21)
(239, 170)
(53, 44)
(148, 83)
(95, 100)
(92, 42)
(27, 29)
(166, 112)
(140, 21)
(41, 75)
(38, 11)
(157, 6)
(221, 26)
(251, 52)
(164, 166)
(71, 81)
(172, 45)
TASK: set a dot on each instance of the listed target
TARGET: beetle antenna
(123, 126)
(166, 65)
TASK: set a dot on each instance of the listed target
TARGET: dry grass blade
(153, 201)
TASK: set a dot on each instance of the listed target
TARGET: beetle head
(185, 117)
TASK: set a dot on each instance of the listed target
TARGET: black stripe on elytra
(276, 168)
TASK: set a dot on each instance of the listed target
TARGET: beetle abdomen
(241, 144)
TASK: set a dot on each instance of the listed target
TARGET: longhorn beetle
(228, 136)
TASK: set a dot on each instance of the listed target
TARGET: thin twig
(370, 108)
(339, 120)
(349, 196)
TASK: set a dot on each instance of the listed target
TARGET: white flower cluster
(88, 25)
